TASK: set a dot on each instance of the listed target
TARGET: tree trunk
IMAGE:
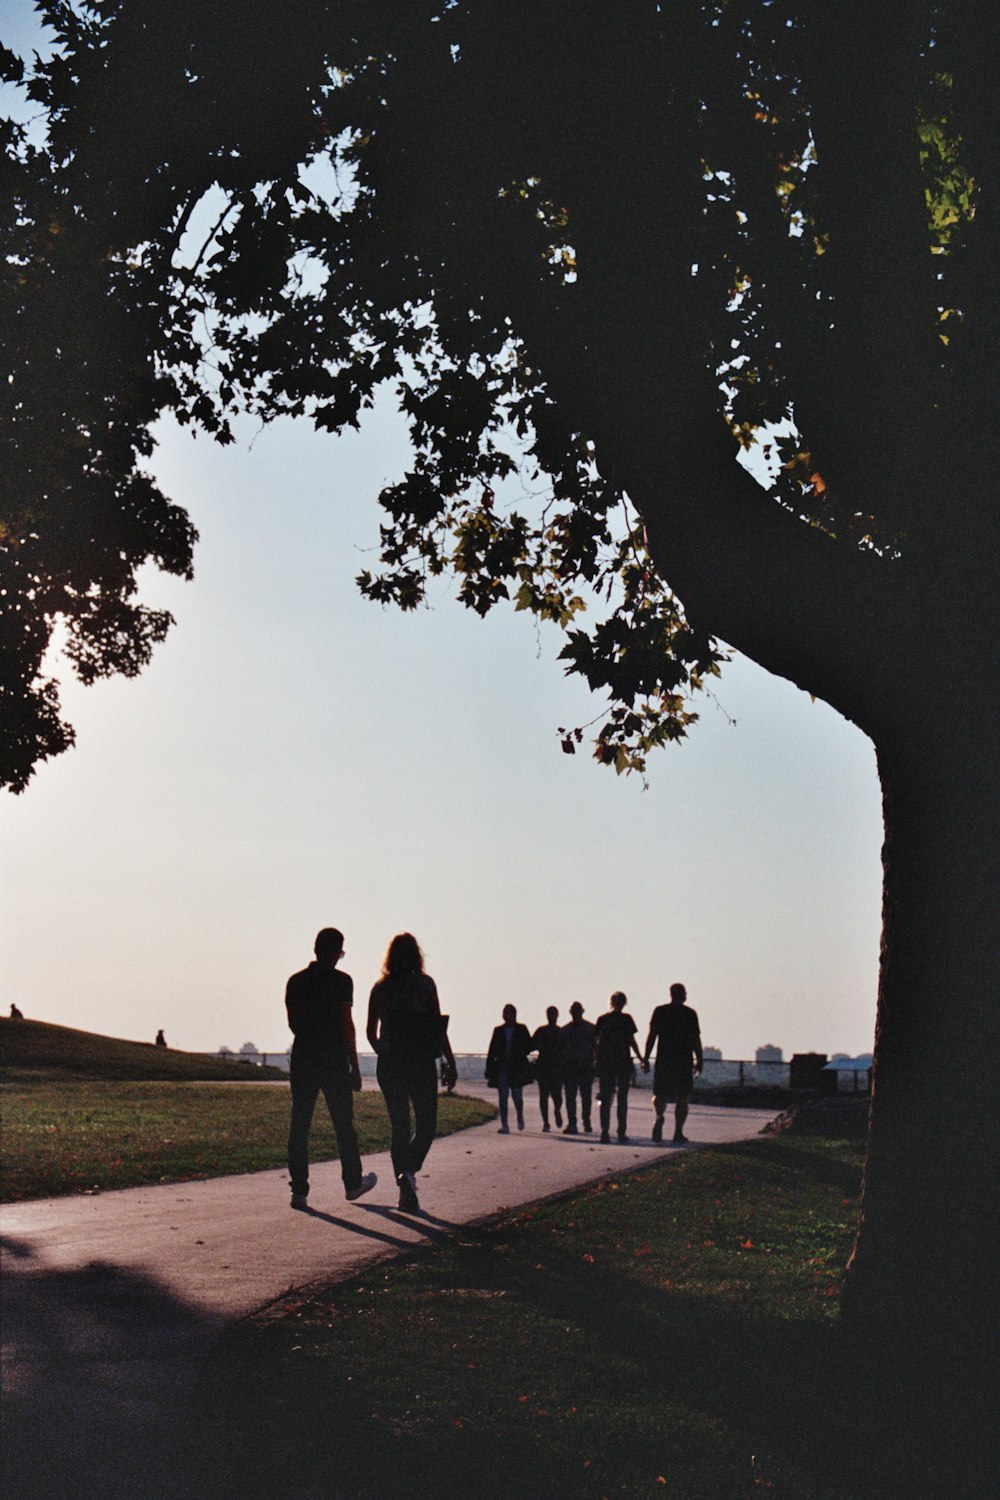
(920, 1292)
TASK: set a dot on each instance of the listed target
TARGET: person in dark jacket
(616, 1043)
(408, 1033)
(548, 1043)
(578, 1068)
(507, 1065)
(324, 1060)
(675, 1030)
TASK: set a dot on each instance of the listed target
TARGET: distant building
(712, 1054)
(249, 1050)
(769, 1054)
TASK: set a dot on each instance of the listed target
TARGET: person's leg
(586, 1095)
(397, 1105)
(544, 1095)
(518, 1094)
(556, 1088)
(423, 1096)
(624, 1083)
(605, 1091)
(304, 1092)
(680, 1115)
(571, 1090)
(339, 1098)
(660, 1108)
(503, 1092)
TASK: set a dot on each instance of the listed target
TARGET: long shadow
(98, 1367)
(355, 1228)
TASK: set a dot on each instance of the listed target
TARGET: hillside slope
(37, 1050)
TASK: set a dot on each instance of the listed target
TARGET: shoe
(366, 1184)
(587, 1128)
(299, 1201)
(570, 1129)
(605, 1138)
(622, 1139)
(545, 1128)
(559, 1117)
(520, 1122)
(679, 1139)
(409, 1203)
(657, 1130)
(504, 1130)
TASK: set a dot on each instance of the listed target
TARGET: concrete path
(110, 1301)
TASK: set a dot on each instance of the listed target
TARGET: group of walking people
(565, 1061)
(409, 1035)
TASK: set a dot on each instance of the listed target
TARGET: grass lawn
(79, 1135)
(81, 1112)
(670, 1332)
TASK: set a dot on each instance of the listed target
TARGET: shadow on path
(97, 1371)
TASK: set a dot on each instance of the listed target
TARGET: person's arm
(634, 1044)
(372, 1028)
(293, 1006)
(349, 1035)
(351, 1044)
(651, 1038)
(699, 1061)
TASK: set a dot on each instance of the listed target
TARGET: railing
(718, 1073)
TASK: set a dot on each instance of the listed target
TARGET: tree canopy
(608, 256)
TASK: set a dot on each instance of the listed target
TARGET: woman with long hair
(408, 1034)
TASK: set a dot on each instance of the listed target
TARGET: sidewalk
(110, 1301)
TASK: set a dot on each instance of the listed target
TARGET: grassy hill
(37, 1051)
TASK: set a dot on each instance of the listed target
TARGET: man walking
(615, 1045)
(675, 1030)
(578, 1067)
(324, 1060)
(548, 1043)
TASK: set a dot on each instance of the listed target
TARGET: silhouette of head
(403, 956)
(678, 994)
(619, 1000)
(510, 1014)
(576, 1010)
(552, 1015)
(329, 944)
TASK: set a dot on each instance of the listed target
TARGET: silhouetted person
(675, 1030)
(324, 1060)
(161, 1040)
(507, 1066)
(615, 1041)
(548, 1043)
(407, 1031)
(578, 1068)
(15, 1014)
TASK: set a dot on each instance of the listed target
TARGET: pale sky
(296, 757)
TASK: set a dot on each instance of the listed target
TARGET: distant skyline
(295, 757)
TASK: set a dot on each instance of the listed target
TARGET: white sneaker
(366, 1184)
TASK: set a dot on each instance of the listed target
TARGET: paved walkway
(109, 1302)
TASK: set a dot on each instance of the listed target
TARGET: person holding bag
(407, 1033)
